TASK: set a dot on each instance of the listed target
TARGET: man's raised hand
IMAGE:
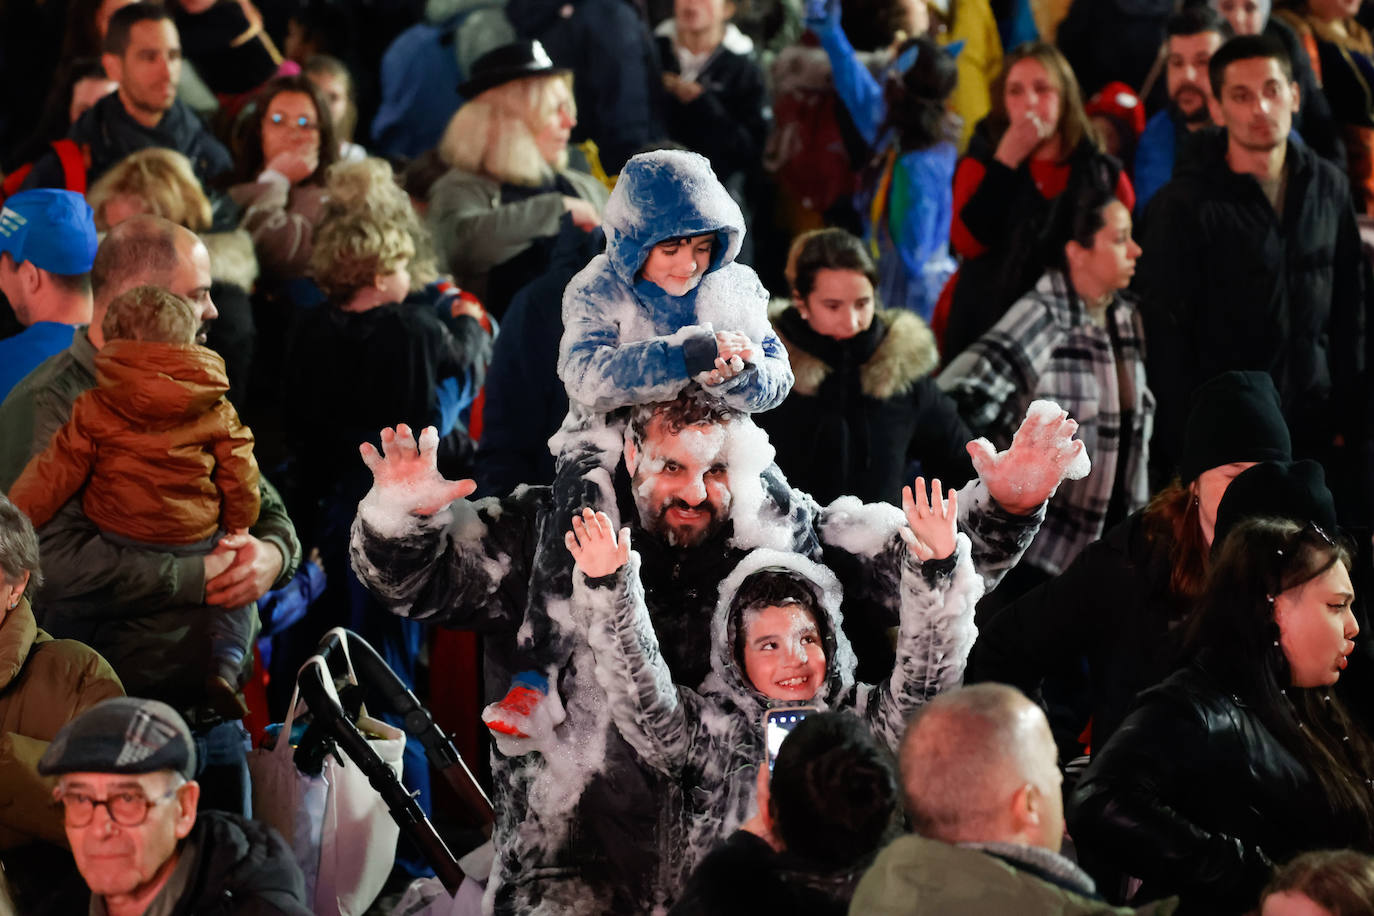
(1043, 454)
(933, 522)
(593, 544)
(405, 476)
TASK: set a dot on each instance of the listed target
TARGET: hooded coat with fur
(862, 410)
(577, 830)
(711, 741)
(626, 340)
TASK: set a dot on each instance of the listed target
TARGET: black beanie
(1295, 490)
(1235, 417)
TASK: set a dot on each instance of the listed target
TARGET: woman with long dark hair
(1246, 757)
(1036, 144)
(1077, 341)
(1123, 602)
(284, 144)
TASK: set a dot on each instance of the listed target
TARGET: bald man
(982, 786)
(125, 601)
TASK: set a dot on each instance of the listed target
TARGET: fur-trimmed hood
(907, 354)
(232, 259)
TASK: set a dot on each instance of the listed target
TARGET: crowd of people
(895, 456)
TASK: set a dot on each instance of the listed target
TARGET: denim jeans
(222, 768)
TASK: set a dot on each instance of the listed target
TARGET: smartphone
(778, 723)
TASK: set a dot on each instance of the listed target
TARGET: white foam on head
(748, 453)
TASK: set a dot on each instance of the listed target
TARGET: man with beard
(1194, 34)
(142, 53)
(1252, 261)
(577, 816)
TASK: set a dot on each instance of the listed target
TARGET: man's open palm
(406, 476)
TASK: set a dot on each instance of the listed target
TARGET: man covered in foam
(665, 305)
(578, 821)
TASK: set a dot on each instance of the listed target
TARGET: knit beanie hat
(1293, 490)
(1235, 417)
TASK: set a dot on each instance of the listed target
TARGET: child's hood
(663, 195)
(727, 676)
(151, 381)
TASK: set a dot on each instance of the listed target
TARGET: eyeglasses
(127, 809)
(300, 121)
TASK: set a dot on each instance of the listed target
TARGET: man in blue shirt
(47, 246)
(1193, 37)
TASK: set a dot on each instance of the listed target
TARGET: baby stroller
(335, 716)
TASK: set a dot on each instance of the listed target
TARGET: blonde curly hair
(162, 179)
(367, 188)
(353, 249)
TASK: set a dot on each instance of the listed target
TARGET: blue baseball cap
(50, 228)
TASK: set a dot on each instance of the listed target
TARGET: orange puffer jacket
(161, 451)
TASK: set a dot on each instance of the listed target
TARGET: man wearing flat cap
(124, 771)
(47, 246)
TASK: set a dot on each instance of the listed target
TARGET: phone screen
(778, 723)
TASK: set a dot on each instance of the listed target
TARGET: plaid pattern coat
(1047, 346)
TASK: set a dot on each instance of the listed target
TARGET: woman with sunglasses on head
(1246, 757)
(283, 144)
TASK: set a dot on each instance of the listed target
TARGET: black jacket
(1113, 605)
(727, 122)
(862, 410)
(525, 399)
(616, 79)
(240, 868)
(1196, 796)
(111, 135)
(1228, 284)
(1009, 215)
(349, 375)
(745, 877)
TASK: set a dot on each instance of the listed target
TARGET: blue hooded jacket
(627, 341)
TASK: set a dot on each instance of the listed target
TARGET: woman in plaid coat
(1076, 340)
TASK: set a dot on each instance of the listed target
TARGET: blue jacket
(420, 77)
(625, 340)
(1154, 157)
(913, 240)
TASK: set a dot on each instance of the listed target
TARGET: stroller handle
(387, 692)
(405, 810)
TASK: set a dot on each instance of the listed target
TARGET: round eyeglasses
(127, 809)
(300, 121)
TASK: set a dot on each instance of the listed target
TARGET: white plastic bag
(338, 826)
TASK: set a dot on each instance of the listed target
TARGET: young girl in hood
(777, 639)
(664, 306)
(162, 458)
